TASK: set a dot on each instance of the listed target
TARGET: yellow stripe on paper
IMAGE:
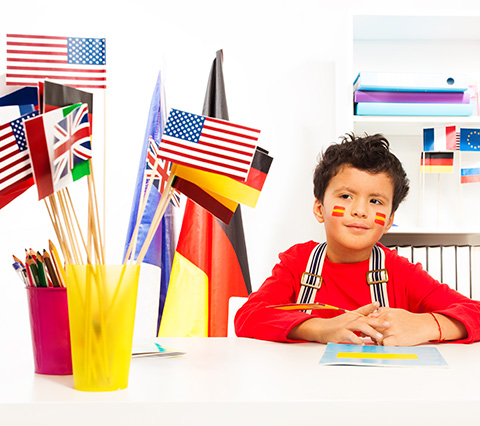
(362, 355)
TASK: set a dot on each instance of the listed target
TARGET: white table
(231, 381)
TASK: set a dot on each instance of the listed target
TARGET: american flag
(76, 62)
(208, 144)
(162, 171)
(15, 166)
(71, 143)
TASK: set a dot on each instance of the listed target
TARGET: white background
(279, 70)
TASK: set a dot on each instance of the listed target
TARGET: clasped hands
(385, 326)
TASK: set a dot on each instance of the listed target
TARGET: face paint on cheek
(380, 218)
(338, 211)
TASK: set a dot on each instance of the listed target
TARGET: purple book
(412, 97)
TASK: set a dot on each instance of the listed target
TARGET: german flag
(210, 264)
(246, 192)
(208, 268)
(221, 207)
(436, 162)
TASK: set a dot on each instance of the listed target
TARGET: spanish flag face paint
(380, 218)
(338, 211)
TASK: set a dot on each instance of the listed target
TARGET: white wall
(279, 71)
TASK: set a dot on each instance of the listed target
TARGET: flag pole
(438, 200)
(87, 251)
(104, 170)
(159, 212)
(64, 246)
(70, 229)
(141, 209)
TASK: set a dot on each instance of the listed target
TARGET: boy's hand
(344, 328)
(406, 328)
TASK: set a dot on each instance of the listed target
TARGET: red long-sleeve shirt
(344, 285)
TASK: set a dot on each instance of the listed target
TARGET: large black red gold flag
(210, 263)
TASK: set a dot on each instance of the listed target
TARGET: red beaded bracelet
(440, 340)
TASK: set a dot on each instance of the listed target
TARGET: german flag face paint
(338, 211)
(380, 218)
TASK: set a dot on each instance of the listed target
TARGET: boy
(358, 186)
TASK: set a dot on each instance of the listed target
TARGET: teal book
(411, 81)
(383, 356)
(413, 109)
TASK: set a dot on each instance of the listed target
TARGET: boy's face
(356, 210)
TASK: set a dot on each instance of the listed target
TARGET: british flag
(159, 170)
(71, 144)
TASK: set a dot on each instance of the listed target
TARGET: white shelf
(408, 125)
(418, 42)
(415, 26)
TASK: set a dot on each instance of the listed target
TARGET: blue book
(413, 82)
(412, 109)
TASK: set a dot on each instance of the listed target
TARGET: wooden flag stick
(154, 226)
(89, 228)
(159, 212)
(93, 231)
(70, 229)
(438, 200)
(53, 220)
(93, 192)
(87, 251)
(62, 240)
(132, 246)
(104, 170)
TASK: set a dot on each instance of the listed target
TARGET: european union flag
(469, 139)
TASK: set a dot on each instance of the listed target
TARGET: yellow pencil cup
(101, 307)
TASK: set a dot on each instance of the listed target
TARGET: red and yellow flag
(338, 211)
(380, 218)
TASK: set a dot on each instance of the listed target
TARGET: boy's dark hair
(370, 153)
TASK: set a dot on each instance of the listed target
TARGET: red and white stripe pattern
(209, 144)
(76, 62)
(159, 170)
(15, 165)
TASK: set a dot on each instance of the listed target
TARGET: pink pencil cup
(50, 330)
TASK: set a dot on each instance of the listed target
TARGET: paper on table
(382, 356)
(151, 348)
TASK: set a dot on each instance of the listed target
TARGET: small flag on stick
(470, 140)
(77, 62)
(244, 192)
(470, 172)
(208, 144)
(436, 162)
(440, 138)
(16, 174)
(59, 144)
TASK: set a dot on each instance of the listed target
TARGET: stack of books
(411, 94)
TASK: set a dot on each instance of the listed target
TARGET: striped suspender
(377, 277)
(311, 281)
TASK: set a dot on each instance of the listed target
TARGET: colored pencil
(310, 306)
(32, 267)
(51, 269)
(58, 264)
(41, 271)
